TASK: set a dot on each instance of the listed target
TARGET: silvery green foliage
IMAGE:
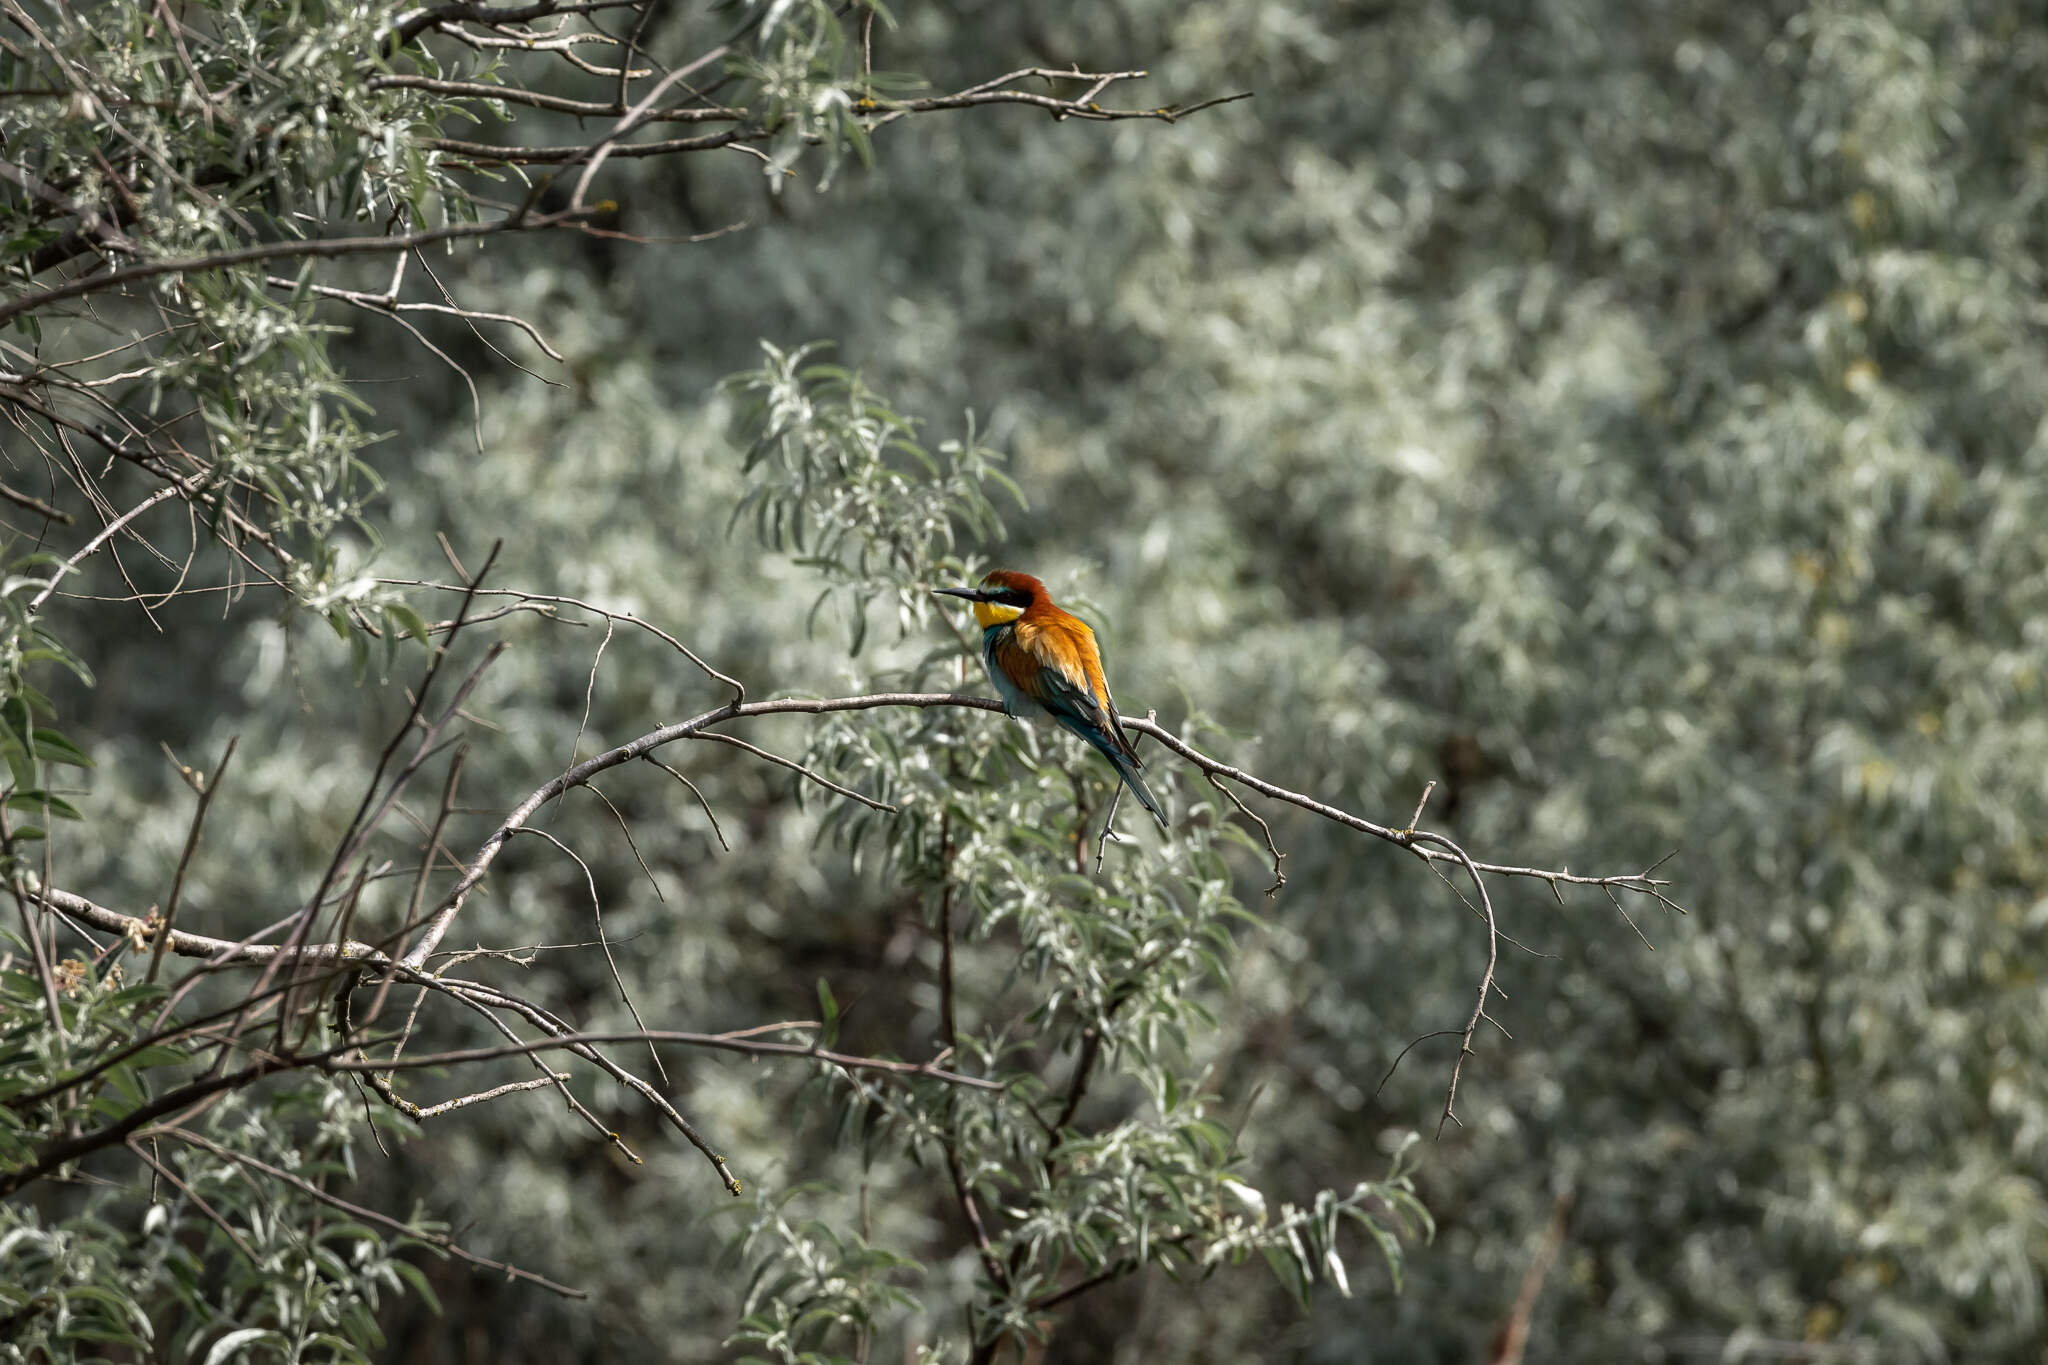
(1090, 994)
(207, 1258)
(1629, 417)
(177, 148)
(137, 138)
(843, 482)
(1625, 415)
(252, 123)
(164, 165)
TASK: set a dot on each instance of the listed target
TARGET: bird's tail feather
(1127, 768)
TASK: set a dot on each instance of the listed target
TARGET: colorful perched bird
(1045, 666)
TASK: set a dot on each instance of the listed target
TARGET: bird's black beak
(971, 594)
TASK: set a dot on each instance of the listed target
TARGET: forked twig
(206, 789)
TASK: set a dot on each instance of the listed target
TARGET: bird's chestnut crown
(1002, 597)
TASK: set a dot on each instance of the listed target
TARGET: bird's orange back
(1056, 639)
(1045, 664)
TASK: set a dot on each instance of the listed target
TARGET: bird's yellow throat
(995, 613)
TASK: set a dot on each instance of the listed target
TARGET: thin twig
(135, 1146)
(107, 532)
(433, 1239)
(510, 94)
(1116, 797)
(1279, 877)
(590, 690)
(1084, 107)
(738, 689)
(639, 114)
(327, 248)
(387, 303)
(719, 1042)
(479, 865)
(1486, 986)
(827, 783)
(1399, 1056)
(432, 844)
(509, 1088)
(34, 504)
(370, 811)
(206, 789)
(488, 1008)
(709, 814)
(949, 1032)
(597, 914)
(631, 843)
(1415, 820)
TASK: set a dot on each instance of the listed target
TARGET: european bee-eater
(1046, 667)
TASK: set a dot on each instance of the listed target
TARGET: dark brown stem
(949, 1033)
(950, 1036)
(71, 1149)
(273, 251)
(36, 505)
(1077, 1087)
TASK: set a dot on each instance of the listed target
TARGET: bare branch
(322, 248)
(34, 504)
(639, 622)
(1059, 108)
(638, 115)
(709, 814)
(1486, 986)
(1416, 819)
(719, 1042)
(827, 783)
(487, 1002)
(1403, 1053)
(305, 1186)
(496, 1092)
(106, 533)
(1413, 841)
(414, 25)
(597, 915)
(135, 1146)
(1279, 877)
(206, 789)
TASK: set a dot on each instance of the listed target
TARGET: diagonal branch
(324, 248)
(1429, 850)
(1486, 986)
(305, 1186)
(207, 789)
(717, 1042)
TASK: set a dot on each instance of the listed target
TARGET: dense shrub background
(1629, 417)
